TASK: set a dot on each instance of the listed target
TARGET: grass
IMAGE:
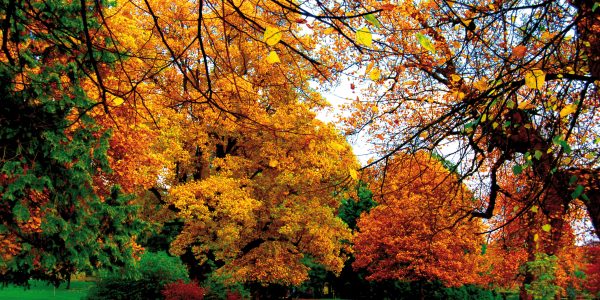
(42, 291)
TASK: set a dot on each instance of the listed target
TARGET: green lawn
(42, 291)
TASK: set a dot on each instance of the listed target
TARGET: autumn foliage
(204, 115)
(418, 231)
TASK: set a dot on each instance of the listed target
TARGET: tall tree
(53, 221)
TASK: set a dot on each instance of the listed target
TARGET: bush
(183, 291)
(218, 289)
(144, 281)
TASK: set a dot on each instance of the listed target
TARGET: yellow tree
(226, 136)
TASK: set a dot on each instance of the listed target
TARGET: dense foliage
(128, 127)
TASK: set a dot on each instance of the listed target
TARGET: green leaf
(546, 227)
(595, 6)
(517, 169)
(510, 104)
(483, 249)
(577, 192)
(425, 42)
(20, 212)
(373, 20)
(572, 180)
(538, 154)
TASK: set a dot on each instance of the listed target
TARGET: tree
(523, 252)
(53, 221)
(415, 232)
(253, 176)
(500, 84)
(266, 201)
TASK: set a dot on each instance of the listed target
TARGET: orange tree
(498, 84)
(416, 232)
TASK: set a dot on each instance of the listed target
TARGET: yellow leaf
(455, 77)
(494, 125)
(526, 105)
(483, 117)
(567, 110)
(536, 237)
(534, 208)
(337, 146)
(481, 84)
(353, 174)
(364, 37)
(590, 156)
(328, 30)
(375, 74)
(273, 163)
(272, 36)
(369, 67)
(117, 101)
(535, 79)
(273, 57)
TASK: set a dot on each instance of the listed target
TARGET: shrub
(144, 281)
(183, 291)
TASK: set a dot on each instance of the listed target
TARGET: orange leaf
(388, 7)
(519, 51)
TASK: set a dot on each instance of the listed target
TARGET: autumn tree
(53, 220)
(499, 85)
(226, 118)
(417, 232)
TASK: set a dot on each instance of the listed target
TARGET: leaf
(455, 78)
(536, 237)
(273, 57)
(517, 169)
(572, 180)
(483, 249)
(425, 42)
(272, 36)
(546, 227)
(494, 125)
(538, 154)
(595, 6)
(567, 110)
(519, 51)
(535, 79)
(388, 7)
(20, 212)
(364, 37)
(534, 208)
(526, 105)
(510, 104)
(369, 67)
(375, 74)
(353, 174)
(273, 163)
(117, 101)
(577, 192)
(373, 20)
